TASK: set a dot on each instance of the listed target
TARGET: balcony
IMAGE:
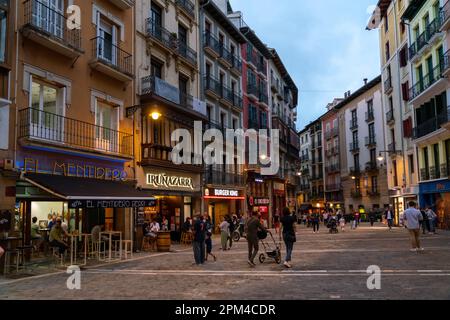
(216, 90)
(331, 133)
(304, 158)
(388, 86)
(223, 178)
(230, 98)
(169, 41)
(353, 124)
(252, 90)
(333, 169)
(187, 7)
(445, 16)
(305, 187)
(48, 27)
(432, 125)
(333, 187)
(212, 87)
(425, 40)
(38, 127)
(372, 167)
(211, 45)
(392, 148)
(371, 142)
(263, 98)
(111, 60)
(373, 193)
(445, 169)
(390, 119)
(424, 175)
(356, 194)
(305, 172)
(430, 85)
(370, 116)
(435, 173)
(275, 85)
(354, 147)
(123, 4)
(154, 86)
(355, 171)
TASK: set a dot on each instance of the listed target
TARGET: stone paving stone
(322, 265)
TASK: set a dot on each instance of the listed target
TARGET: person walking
(251, 228)
(389, 216)
(288, 222)
(431, 220)
(425, 222)
(208, 241)
(199, 240)
(342, 223)
(224, 230)
(316, 222)
(413, 217)
(325, 218)
(231, 228)
(372, 218)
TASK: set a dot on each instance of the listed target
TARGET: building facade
(221, 74)
(428, 97)
(400, 150)
(168, 94)
(71, 89)
(364, 178)
(304, 197)
(317, 166)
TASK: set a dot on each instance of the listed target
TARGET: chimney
(365, 81)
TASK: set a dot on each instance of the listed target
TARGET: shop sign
(110, 204)
(72, 169)
(221, 193)
(261, 202)
(163, 180)
(278, 186)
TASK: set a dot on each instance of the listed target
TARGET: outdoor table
(110, 234)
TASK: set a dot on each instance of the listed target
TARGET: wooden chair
(186, 238)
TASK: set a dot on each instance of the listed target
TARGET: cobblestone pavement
(325, 267)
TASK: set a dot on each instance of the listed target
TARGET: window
(372, 132)
(156, 68)
(182, 36)
(355, 138)
(387, 51)
(106, 120)
(354, 116)
(373, 156)
(48, 15)
(405, 91)
(374, 184)
(404, 57)
(370, 106)
(356, 161)
(107, 33)
(3, 29)
(386, 23)
(411, 164)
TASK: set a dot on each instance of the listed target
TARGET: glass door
(107, 42)
(46, 117)
(106, 126)
(49, 16)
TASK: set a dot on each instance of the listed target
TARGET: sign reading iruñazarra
(70, 169)
(162, 180)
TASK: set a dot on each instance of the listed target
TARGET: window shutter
(405, 91)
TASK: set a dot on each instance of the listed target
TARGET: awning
(91, 193)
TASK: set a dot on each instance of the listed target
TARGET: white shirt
(154, 227)
(389, 215)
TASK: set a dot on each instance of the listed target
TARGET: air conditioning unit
(7, 164)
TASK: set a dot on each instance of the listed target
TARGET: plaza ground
(325, 267)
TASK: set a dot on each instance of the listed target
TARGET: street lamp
(155, 115)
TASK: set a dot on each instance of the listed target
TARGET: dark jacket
(288, 228)
(253, 226)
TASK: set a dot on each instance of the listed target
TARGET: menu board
(140, 220)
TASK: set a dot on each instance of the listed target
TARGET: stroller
(271, 248)
(332, 225)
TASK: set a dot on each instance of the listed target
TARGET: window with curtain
(3, 28)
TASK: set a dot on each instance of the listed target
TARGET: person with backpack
(231, 228)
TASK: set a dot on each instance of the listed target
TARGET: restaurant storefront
(279, 198)
(399, 199)
(261, 205)
(223, 202)
(178, 196)
(83, 192)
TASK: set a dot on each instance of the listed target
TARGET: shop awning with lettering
(91, 193)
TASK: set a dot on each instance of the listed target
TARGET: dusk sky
(323, 44)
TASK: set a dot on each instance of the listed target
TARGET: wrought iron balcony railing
(187, 6)
(105, 51)
(427, 81)
(354, 146)
(431, 125)
(371, 141)
(390, 117)
(223, 178)
(52, 23)
(371, 166)
(49, 128)
(355, 171)
(431, 30)
(353, 124)
(388, 85)
(370, 116)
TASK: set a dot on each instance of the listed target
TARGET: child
(342, 223)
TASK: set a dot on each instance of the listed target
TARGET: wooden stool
(186, 238)
(127, 246)
(8, 254)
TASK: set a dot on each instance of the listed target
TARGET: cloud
(323, 43)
